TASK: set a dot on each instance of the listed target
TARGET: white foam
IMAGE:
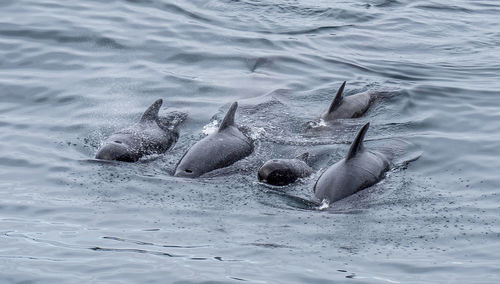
(257, 132)
(316, 124)
(211, 127)
(325, 204)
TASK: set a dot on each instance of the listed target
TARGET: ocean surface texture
(73, 72)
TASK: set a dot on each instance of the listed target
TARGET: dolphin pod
(148, 136)
(360, 168)
(218, 150)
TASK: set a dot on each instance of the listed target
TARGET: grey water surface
(73, 72)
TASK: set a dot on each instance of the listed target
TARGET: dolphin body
(218, 150)
(149, 136)
(361, 168)
(347, 107)
(284, 171)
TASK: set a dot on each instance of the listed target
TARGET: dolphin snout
(275, 173)
(187, 173)
(263, 174)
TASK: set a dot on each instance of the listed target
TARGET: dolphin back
(151, 135)
(360, 169)
(347, 107)
(218, 150)
(171, 120)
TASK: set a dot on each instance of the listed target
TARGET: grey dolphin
(285, 171)
(149, 136)
(361, 168)
(218, 150)
(347, 107)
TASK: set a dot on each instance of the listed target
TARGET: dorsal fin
(338, 98)
(151, 114)
(357, 144)
(229, 118)
(303, 157)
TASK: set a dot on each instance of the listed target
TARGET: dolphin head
(193, 164)
(188, 169)
(277, 172)
(116, 150)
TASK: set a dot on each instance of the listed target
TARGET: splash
(257, 133)
(210, 127)
(325, 204)
(317, 124)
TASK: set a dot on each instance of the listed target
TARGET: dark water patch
(440, 7)
(125, 250)
(176, 9)
(149, 244)
(306, 31)
(259, 42)
(7, 3)
(281, 198)
(387, 3)
(271, 246)
(60, 37)
(186, 11)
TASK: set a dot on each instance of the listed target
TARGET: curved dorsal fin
(151, 114)
(357, 144)
(229, 118)
(338, 98)
(303, 157)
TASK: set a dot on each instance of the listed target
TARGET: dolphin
(218, 150)
(284, 171)
(151, 135)
(361, 168)
(347, 107)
